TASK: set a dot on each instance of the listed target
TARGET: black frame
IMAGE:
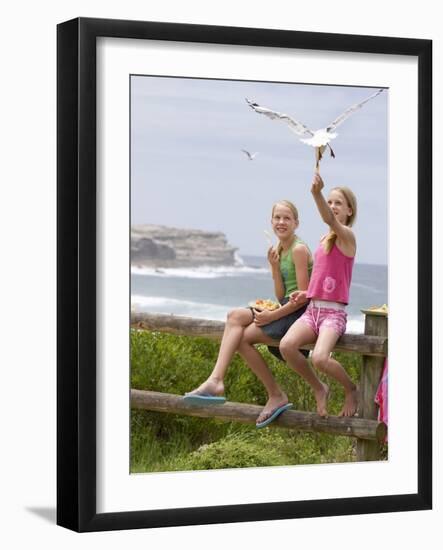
(76, 273)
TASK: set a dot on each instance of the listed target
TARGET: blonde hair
(351, 201)
(294, 211)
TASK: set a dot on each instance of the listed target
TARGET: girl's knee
(287, 346)
(320, 360)
(239, 316)
(251, 335)
(244, 345)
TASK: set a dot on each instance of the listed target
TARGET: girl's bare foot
(321, 396)
(351, 402)
(274, 402)
(211, 386)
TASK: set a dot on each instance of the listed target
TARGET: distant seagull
(319, 138)
(251, 156)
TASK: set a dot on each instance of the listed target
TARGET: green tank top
(287, 268)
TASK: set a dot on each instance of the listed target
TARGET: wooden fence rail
(372, 345)
(247, 414)
(376, 346)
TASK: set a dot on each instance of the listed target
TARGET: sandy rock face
(161, 246)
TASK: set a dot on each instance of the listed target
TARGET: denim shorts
(277, 329)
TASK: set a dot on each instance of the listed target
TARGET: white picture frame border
(118, 490)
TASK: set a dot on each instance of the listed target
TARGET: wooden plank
(371, 345)
(245, 413)
(375, 325)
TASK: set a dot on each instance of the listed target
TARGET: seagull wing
(349, 112)
(247, 153)
(297, 127)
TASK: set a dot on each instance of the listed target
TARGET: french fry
(268, 237)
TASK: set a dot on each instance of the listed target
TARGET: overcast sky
(187, 168)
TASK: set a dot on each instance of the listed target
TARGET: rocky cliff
(161, 246)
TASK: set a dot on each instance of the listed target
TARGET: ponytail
(329, 241)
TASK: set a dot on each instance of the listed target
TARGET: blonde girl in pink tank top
(325, 318)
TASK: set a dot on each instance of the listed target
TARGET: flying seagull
(319, 138)
(251, 156)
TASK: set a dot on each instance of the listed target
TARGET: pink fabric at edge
(381, 396)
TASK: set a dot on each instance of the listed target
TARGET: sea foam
(203, 272)
(184, 308)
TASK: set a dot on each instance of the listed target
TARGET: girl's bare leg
(322, 361)
(276, 396)
(236, 322)
(297, 336)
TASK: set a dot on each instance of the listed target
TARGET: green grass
(163, 442)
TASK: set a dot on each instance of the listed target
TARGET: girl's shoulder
(347, 243)
(299, 244)
(299, 241)
(301, 250)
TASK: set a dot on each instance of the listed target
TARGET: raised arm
(345, 236)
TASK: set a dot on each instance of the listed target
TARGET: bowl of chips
(261, 305)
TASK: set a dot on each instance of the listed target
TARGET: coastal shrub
(240, 448)
(170, 442)
(234, 451)
(270, 447)
(177, 364)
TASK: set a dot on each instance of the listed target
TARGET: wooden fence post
(376, 324)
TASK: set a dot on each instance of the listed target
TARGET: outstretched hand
(317, 184)
(298, 297)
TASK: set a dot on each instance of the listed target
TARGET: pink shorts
(325, 317)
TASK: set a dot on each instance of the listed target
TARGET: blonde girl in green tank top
(291, 265)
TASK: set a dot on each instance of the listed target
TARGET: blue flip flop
(275, 413)
(203, 400)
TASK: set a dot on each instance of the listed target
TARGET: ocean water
(210, 292)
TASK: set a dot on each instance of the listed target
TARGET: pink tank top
(331, 276)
